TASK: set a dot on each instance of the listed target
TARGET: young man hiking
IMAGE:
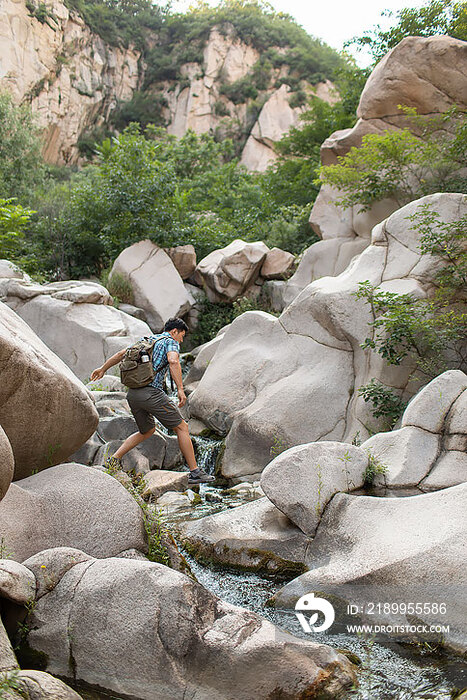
(151, 400)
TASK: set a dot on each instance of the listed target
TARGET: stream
(389, 670)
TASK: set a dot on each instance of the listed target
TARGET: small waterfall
(207, 451)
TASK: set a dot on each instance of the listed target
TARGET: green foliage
(42, 13)
(120, 22)
(144, 108)
(21, 165)
(373, 468)
(212, 317)
(387, 404)
(13, 220)
(401, 165)
(428, 333)
(156, 531)
(437, 17)
(10, 680)
(89, 141)
(119, 287)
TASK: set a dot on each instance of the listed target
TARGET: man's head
(177, 328)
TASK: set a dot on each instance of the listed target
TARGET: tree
(401, 165)
(438, 17)
(431, 332)
(21, 164)
(13, 221)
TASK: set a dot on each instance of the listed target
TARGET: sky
(334, 21)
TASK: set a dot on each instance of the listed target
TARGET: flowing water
(388, 670)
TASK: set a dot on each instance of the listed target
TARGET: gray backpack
(136, 369)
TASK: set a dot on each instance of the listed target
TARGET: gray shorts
(147, 402)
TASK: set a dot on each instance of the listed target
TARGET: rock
(45, 411)
(277, 264)
(157, 286)
(449, 470)
(7, 463)
(70, 506)
(160, 450)
(274, 121)
(196, 427)
(302, 480)
(8, 660)
(255, 536)
(421, 72)
(424, 451)
(11, 271)
(67, 99)
(408, 454)
(50, 565)
(133, 311)
(137, 626)
(457, 418)
(109, 382)
(275, 383)
(17, 583)
(77, 291)
(184, 259)
(204, 355)
(428, 409)
(82, 335)
(227, 273)
(172, 502)
(159, 481)
(247, 489)
(322, 259)
(42, 686)
(388, 543)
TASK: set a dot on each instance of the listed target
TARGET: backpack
(136, 369)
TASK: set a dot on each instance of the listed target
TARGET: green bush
(431, 333)
(387, 404)
(400, 165)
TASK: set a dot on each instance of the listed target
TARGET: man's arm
(114, 360)
(176, 372)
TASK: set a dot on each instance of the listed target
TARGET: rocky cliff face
(74, 80)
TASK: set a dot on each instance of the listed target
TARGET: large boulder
(156, 285)
(227, 273)
(277, 264)
(424, 73)
(293, 380)
(184, 259)
(142, 630)
(302, 480)
(45, 411)
(37, 685)
(430, 448)
(255, 536)
(78, 291)
(74, 506)
(83, 335)
(406, 549)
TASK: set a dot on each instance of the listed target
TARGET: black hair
(177, 323)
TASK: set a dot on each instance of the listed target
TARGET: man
(151, 400)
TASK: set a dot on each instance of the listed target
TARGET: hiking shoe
(199, 476)
(113, 464)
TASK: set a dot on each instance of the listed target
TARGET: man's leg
(134, 440)
(185, 444)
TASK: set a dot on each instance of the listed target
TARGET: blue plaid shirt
(159, 357)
